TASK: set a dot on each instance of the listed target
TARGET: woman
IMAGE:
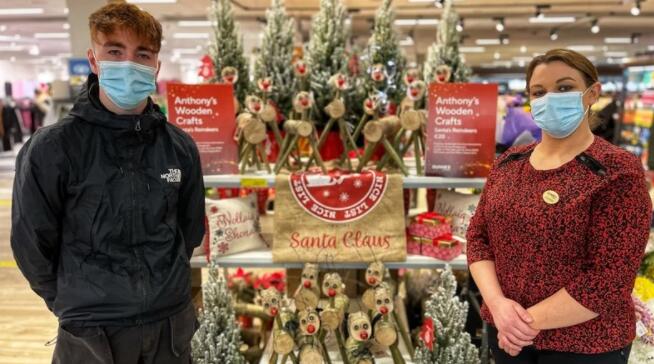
(560, 230)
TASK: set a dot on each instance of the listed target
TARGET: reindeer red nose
(331, 292)
(307, 284)
(383, 310)
(414, 93)
(410, 79)
(311, 329)
(341, 82)
(441, 78)
(363, 336)
(301, 68)
(372, 280)
(273, 312)
(257, 107)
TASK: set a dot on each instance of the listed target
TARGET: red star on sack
(344, 197)
(427, 333)
(358, 183)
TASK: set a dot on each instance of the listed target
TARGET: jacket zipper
(139, 253)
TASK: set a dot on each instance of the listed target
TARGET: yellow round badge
(551, 197)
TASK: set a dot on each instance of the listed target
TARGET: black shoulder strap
(591, 163)
(515, 157)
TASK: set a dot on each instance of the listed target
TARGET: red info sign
(206, 112)
(461, 129)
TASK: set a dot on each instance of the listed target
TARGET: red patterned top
(590, 241)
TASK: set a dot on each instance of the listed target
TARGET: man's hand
(512, 322)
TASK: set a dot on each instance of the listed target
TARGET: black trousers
(163, 342)
(529, 355)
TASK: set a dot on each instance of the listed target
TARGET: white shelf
(235, 181)
(263, 259)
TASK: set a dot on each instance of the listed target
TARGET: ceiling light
(66, 26)
(427, 21)
(499, 25)
(459, 25)
(152, 1)
(472, 49)
(3, 28)
(594, 28)
(439, 3)
(523, 49)
(539, 13)
(521, 63)
(497, 55)
(51, 35)
(554, 34)
(34, 51)
(650, 48)
(635, 10)
(406, 22)
(21, 11)
(191, 35)
(491, 41)
(66, 11)
(582, 48)
(504, 39)
(618, 40)
(11, 48)
(194, 23)
(635, 38)
(12, 59)
(552, 19)
(610, 60)
(615, 54)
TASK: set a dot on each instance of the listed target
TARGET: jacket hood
(89, 108)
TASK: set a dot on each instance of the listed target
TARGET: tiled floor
(25, 323)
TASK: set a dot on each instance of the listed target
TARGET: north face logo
(173, 176)
(336, 197)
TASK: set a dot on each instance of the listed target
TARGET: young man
(108, 207)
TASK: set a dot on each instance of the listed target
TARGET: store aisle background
(25, 322)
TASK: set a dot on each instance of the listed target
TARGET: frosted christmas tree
(276, 55)
(443, 339)
(227, 50)
(443, 56)
(218, 339)
(385, 63)
(326, 53)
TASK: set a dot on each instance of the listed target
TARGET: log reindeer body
(374, 277)
(271, 300)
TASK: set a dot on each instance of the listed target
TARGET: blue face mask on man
(126, 83)
(559, 114)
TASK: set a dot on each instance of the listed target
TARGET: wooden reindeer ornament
(374, 277)
(310, 350)
(253, 135)
(299, 128)
(283, 342)
(308, 293)
(379, 132)
(412, 121)
(268, 114)
(385, 330)
(332, 316)
(360, 332)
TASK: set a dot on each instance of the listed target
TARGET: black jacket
(107, 210)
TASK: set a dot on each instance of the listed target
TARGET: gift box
(432, 219)
(414, 245)
(442, 253)
(429, 231)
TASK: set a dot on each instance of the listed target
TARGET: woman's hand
(512, 322)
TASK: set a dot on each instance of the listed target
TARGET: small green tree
(384, 50)
(445, 51)
(276, 55)
(227, 47)
(218, 339)
(451, 344)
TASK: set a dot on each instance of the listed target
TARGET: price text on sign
(254, 182)
(206, 112)
(461, 129)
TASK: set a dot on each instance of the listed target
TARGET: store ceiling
(480, 19)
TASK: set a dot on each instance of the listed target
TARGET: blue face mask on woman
(559, 114)
(126, 83)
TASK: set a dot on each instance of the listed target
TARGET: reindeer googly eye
(356, 327)
(266, 305)
(311, 318)
(376, 273)
(304, 275)
(311, 276)
(365, 326)
(369, 271)
(326, 284)
(387, 300)
(304, 322)
(379, 302)
(274, 300)
(334, 286)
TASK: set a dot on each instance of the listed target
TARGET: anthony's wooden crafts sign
(461, 129)
(206, 112)
(339, 217)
